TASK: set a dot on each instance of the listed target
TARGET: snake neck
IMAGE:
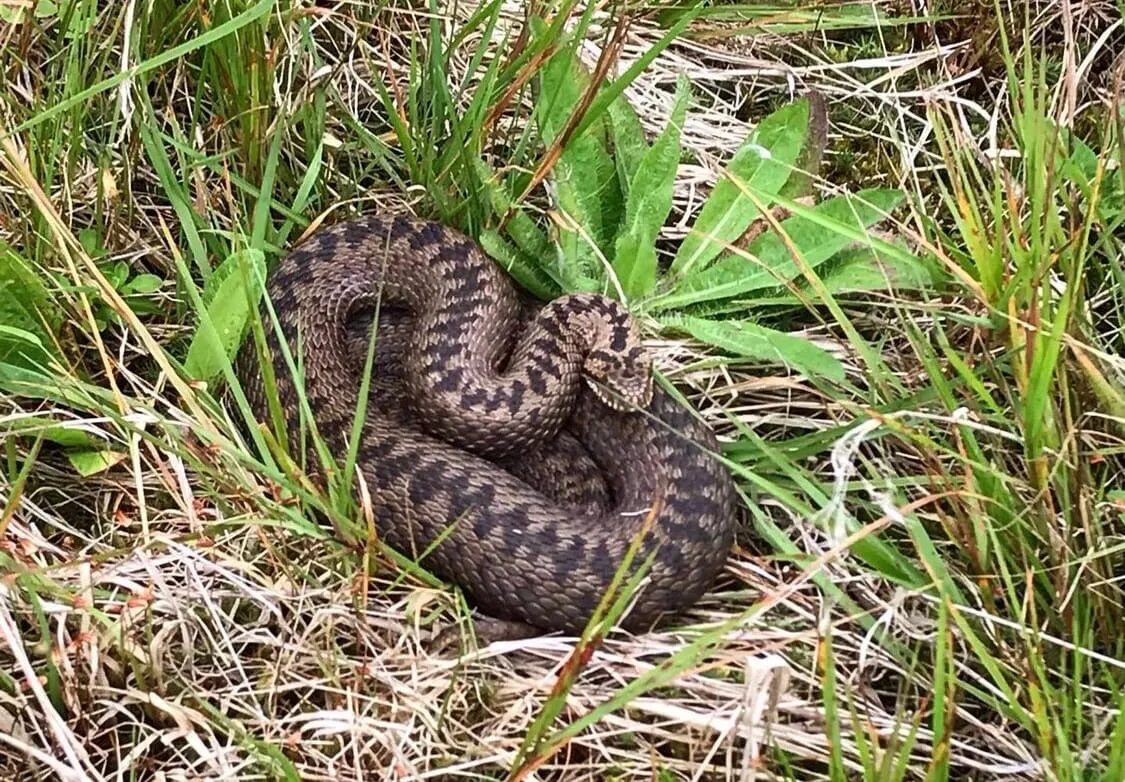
(495, 394)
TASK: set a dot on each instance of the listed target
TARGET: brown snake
(521, 451)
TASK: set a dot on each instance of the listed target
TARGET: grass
(909, 341)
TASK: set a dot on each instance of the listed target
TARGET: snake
(519, 449)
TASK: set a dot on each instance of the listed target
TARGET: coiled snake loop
(506, 445)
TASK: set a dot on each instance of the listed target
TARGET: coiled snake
(521, 452)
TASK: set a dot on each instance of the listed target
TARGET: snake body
(498, 440)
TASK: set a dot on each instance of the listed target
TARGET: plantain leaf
(142, 284)
(628, 139)
(516, 264)
(815, 233)
(26, 307)
(866, 269)
(855, 270)
(762, 165)
(531, 242)
(649, 203)
(750, 340)
(229, 309)
(22, 349)
(51, 431)
(585, 177)
(87, 463)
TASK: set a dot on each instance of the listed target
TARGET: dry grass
(166, 619)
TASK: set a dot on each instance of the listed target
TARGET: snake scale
(529, 440)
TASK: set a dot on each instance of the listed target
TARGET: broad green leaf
(758, 342)
(585, 177)
(117, 274)
(857, 270)
(516, 264)
(15, 12)
(816, 234)
(562, 82)
(762, 165)
(1078, 163)
(51, 430)
(91, 242)
(229, 309)
(866, 269)
(530, 237)
(87, 463)
(27, 310)
(27, 382)
(649, 203)
(1075, 157)
(635, 263)
(142, 284)
(66, 436)
(24, 339)
(612, 89)
(539, 276)
(629, 143)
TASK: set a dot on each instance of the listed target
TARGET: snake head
(620, 379)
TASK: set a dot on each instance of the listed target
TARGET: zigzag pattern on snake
(505, 430)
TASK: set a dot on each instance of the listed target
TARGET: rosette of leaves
(756, 240)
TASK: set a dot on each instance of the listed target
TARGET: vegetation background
(877, 245)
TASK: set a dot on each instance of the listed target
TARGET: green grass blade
(177, 196)
(233, 25)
